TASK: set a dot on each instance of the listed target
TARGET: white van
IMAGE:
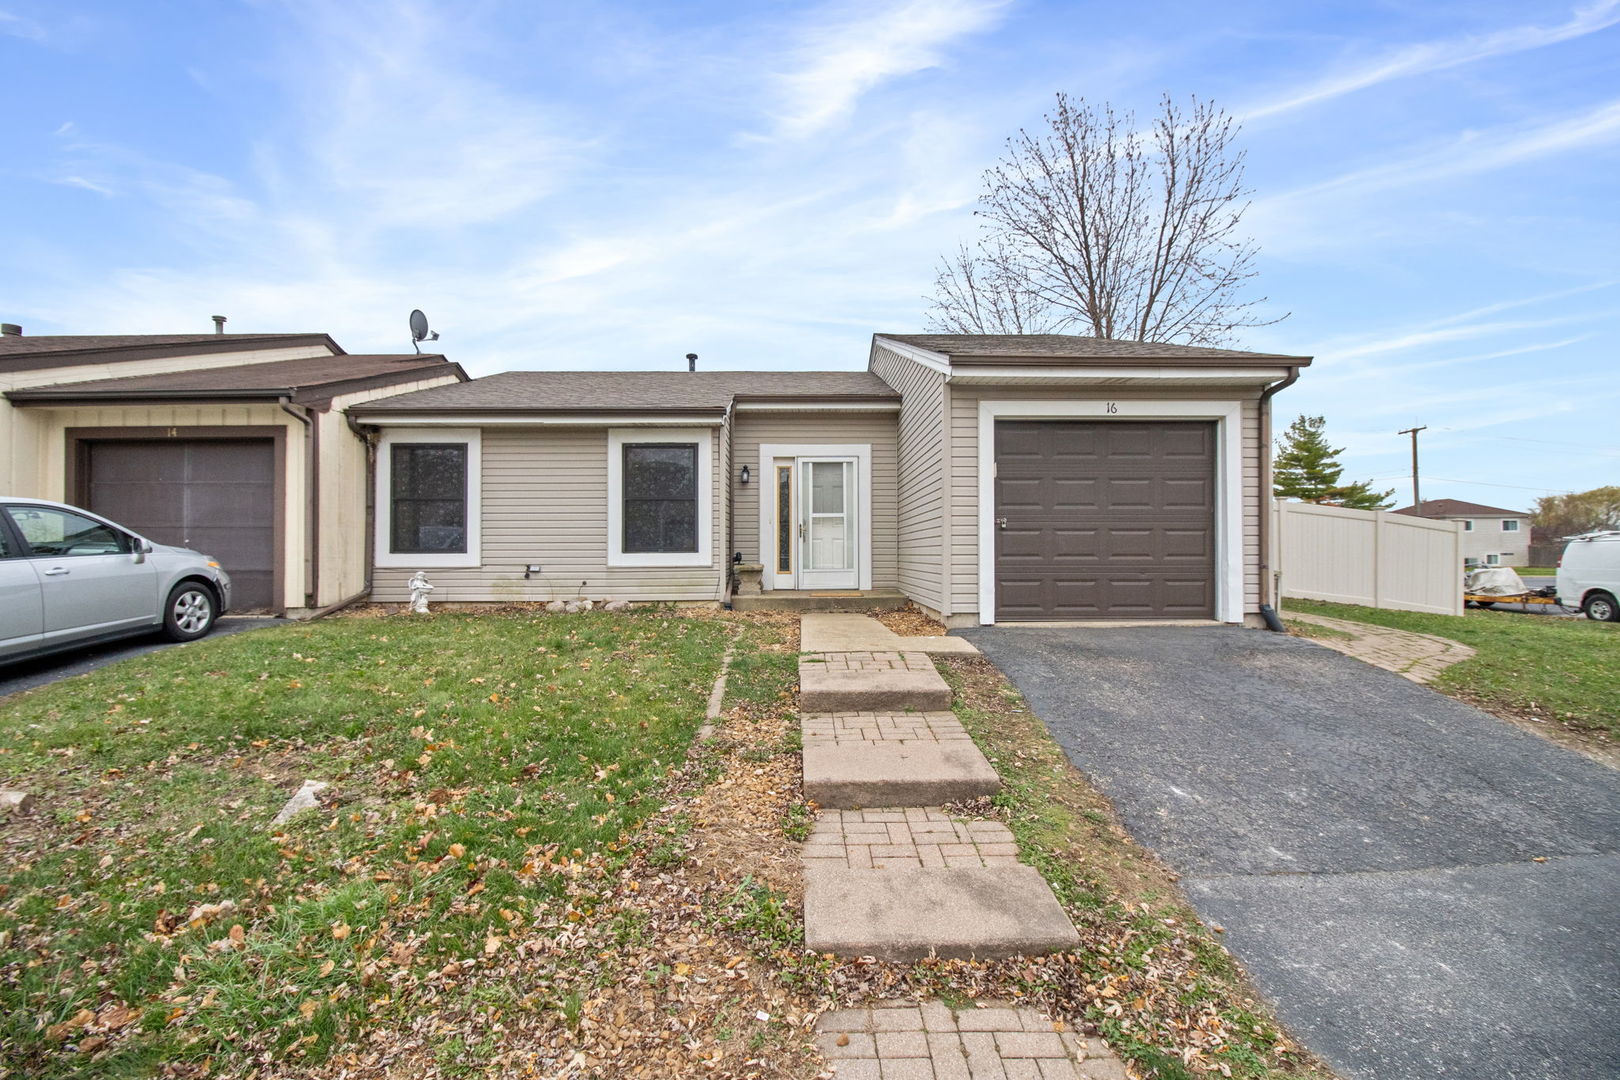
(1589, 575)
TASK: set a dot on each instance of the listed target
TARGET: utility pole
(1417, 497)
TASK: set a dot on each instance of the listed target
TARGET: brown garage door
(214, 495)
(1105, 520)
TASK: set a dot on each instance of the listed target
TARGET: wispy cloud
(17, 26)
(1476, 152)
(853, 49)
(1417, 339)
(1422, 59)
(87, 185)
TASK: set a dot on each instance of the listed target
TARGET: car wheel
(190, 611)
(1602, 608)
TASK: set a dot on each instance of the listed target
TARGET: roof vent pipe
(691, 361)
(10, 329)
(219, 324)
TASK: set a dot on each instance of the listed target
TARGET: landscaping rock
(556, 607)
(616, 605)
(303, 799)
(15, 802)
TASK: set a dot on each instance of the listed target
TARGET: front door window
(828, 525)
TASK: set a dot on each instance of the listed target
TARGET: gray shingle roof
(307, 379)
(21, 352)
(1440, 508)
(1079, 349)
(605, 391)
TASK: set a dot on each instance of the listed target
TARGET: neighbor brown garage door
(214, 495)
(1105, 520)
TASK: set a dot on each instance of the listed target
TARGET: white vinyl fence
(1369, 557)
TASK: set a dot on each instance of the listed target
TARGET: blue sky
(595, 185)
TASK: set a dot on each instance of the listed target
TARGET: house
(235, 444)
(1492, 536)
(985, 477)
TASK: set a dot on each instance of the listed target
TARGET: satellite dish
(419, 326)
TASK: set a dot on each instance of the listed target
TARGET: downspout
(312, 496)
(730, 503)
(368, 439)
(1268, 585)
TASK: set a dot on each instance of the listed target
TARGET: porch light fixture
(744, 477)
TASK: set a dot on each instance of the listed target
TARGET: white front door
(817, 534)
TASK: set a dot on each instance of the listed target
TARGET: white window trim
(385, 556)
(703, 438)
(1510, 525)
(1468, 525)
(862, 455)
(1228, 417)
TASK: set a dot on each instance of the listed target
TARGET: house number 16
(1111, 407)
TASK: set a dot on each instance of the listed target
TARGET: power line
(1486, 483)
(1551, 442)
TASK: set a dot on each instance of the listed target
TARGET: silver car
(69, 578)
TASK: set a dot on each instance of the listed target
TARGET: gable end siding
(920, 476)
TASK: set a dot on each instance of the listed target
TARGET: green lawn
(1562, 668)
(149, 913)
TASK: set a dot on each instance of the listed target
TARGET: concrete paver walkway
(857, 759)
(870, 682)
(902, 1041)
(1419, 657)
(889, 873)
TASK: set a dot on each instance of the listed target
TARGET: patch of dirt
(1597, 745)
(910, 622)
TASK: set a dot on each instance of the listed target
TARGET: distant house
(234, 444)
(1491, 535)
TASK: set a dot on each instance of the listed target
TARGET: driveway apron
(1424, 890)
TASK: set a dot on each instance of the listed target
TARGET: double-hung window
(1510, 525)
(428, 499)
(659, 497)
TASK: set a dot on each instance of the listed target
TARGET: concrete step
(862, 633)
(907, 915)
(847, 776)
(792, 600)
(871, 682)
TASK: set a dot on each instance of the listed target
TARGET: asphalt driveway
(1424, 890)
(27, 674)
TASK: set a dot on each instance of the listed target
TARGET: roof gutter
(1270, 583)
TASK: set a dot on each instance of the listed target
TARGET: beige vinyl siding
(343, 477)
(920, 468)
(544, 500)
(824, 427)
(25, 466)
(964, 447)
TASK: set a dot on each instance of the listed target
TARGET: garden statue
(419, 592)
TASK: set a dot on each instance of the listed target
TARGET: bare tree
(1094, 226)
(982, 291)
